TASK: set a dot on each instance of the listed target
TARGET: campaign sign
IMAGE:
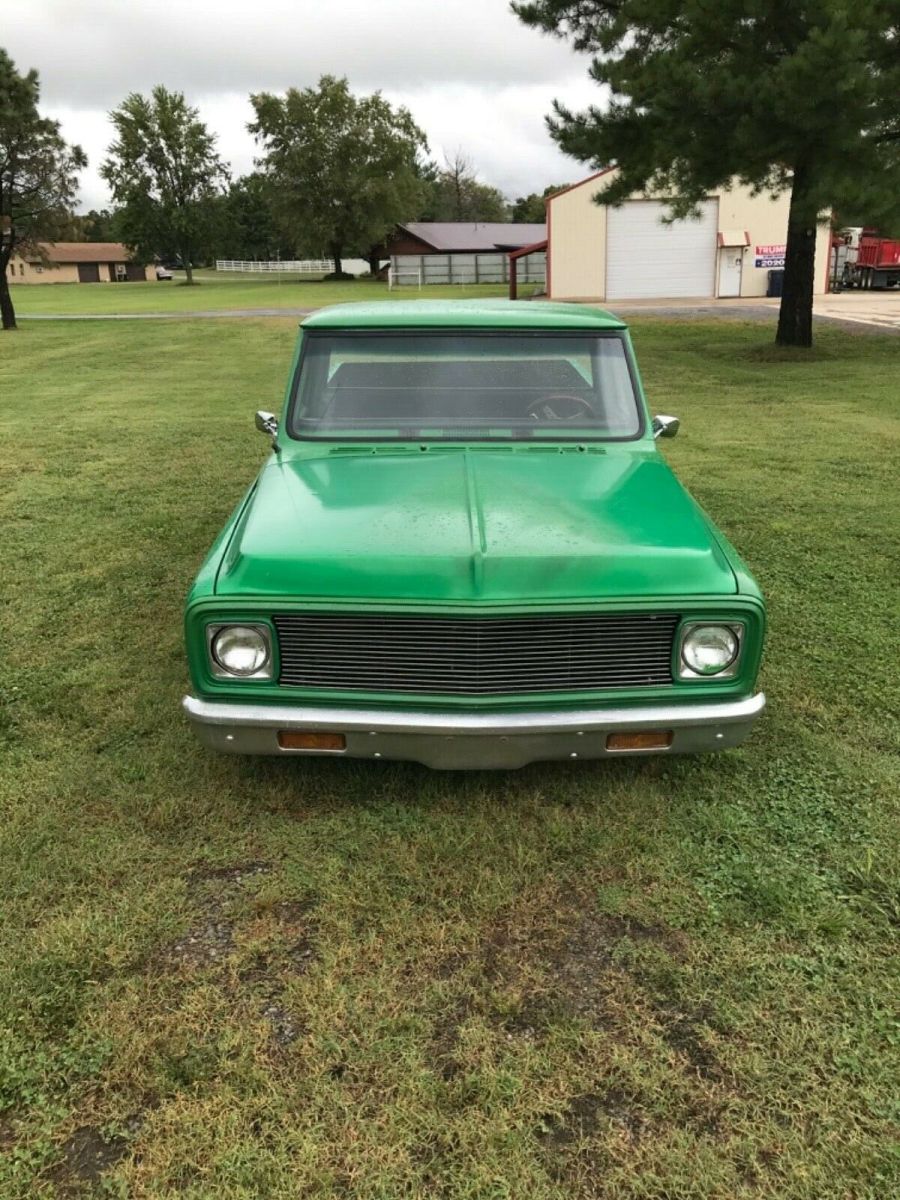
(770, 256)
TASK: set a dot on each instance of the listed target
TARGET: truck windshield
(464, 385)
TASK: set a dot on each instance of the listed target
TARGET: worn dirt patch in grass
(212, 939)
(553, 960)
(266, 977)
(8, 1136)
(579, 970)
(445, 1039)
(585, 1115)
(287, 930)
(290, 955)
(572, 1143)
(208, 942)
(682, 1028)
(86, 1155)
(233, 874)
(583, 973)
(578, 1120)
(566, 967)
(546, 961)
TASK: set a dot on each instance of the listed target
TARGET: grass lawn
(670, 979)
(226, 291)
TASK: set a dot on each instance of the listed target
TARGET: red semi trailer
(870, 261)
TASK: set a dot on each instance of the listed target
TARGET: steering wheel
(547, 408)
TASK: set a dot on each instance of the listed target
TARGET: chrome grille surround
(412, 653)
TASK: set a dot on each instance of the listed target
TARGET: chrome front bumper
(472, 740)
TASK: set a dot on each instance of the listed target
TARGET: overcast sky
(472, 75)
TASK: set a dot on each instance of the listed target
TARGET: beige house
(628, 253)
(78, 262)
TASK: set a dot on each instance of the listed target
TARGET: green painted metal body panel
(471, 527)
(470, 524)
(461, 314)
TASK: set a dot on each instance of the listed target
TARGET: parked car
(466, 549)
(163, 272)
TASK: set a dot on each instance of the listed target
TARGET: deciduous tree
(784, 95)
(343, 168)
(248, 227)
(100, 226)
(38, 174)
(459, 195)
(532, 208)
(164, 171)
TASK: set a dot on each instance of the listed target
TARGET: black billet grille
(475, 656)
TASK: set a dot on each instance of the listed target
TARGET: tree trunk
(7, 312)
(795, 314)
(374, 261)
(188, 270)
(336, 252)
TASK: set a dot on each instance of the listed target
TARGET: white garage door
(646, 259)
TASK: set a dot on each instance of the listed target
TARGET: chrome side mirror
(665, 426)
(267, 422)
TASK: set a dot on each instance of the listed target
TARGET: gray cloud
(92, 52)
(473, 76)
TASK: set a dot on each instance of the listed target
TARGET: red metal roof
(474, 236)
(85, 252)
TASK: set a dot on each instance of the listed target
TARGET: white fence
(417, 270)
(307, 266)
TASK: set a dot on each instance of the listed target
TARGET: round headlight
(709, 649)
(240, 650)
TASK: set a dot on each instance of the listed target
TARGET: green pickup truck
(466, 550)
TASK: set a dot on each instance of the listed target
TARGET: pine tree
(38, 175)
(782, 95)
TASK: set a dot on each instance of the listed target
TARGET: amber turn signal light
(640, 739)
(301, 739)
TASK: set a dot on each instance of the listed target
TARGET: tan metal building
(628, 253)
(78, 262)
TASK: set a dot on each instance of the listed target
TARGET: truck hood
(527, 524)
